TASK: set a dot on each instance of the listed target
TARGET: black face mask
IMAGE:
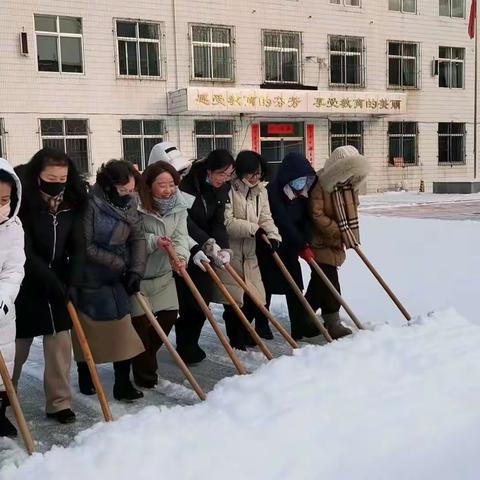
(52, 188)
(120, 201)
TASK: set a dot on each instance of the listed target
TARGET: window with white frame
(346, 61)
(138, 139)
(139, 49)
(282, 57)
(346, 133)
(3, 153)
(212, 53)
(213, 134)
(59, 44)
(451, 143)
(402, 143)
(452, 8)
(403, 62)
(451, 67)
(404, 6)
(69, 136)
(348, 3)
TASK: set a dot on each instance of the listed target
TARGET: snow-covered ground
(397, 402)
(402, 199)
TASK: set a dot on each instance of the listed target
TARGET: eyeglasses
(258, 173)
(225, 175)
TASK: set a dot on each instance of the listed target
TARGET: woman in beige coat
(343, 172)
(247, 217)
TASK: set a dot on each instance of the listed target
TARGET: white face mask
(4, 212)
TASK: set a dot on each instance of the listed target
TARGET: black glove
(72, 295)
(259, 234)
(132, 283)
(274, 244)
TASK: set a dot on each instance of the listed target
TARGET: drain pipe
(175, 52)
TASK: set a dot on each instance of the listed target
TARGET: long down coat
(247, 211)
(12, 258)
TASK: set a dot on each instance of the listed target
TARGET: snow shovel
(383, 283)
(17, 409)
(164, 337)
(311, 313)
(87, 354)
(238, 311)
(208, 313)
(335, 293)
(261, 306)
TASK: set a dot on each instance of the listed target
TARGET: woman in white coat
(247, 218)
(12, 258)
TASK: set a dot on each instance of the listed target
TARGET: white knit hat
(169, 153)
(345, 163)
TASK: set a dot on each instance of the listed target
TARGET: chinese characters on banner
(256, 137)
(296, 101)
(310, 150)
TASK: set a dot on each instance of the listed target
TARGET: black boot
(7, 429)
(263, 328)
(334, 326)
(63, 416)
(123, 388)
(85, 383)
(235, 330)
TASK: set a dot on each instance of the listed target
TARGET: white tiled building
(111, 78)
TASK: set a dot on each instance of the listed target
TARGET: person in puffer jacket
(163, 211)
(12, 259)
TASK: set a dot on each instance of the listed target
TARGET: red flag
(472, 19)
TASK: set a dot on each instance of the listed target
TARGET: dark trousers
(145, 365)
(190, 316)
(298, 316)
(319, 295)
(236, 331)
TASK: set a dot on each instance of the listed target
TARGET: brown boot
(334, 326)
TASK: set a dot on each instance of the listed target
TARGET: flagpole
(475, 102)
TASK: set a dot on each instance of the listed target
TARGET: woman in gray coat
(163, 210)
(116, 258)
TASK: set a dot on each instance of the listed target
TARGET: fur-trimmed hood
(344, 164)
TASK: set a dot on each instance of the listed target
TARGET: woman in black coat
(207, 182)
(116, 259)
(288, 197)
(51, 212)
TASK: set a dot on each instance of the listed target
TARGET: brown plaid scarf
(345, 206)
(52, 202)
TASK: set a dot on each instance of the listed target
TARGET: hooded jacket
(158, 283)
(290, 214)
(345, 164)
(12, 259)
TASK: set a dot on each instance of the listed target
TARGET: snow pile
(400, 402)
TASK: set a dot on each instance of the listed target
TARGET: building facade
(110, 79)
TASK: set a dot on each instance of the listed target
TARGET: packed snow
(397, 401)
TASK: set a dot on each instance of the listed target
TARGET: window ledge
(136, 77)
(452, 164)
(210, 80)
(287, 86)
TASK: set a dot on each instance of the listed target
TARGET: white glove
(200, 257)
(224, 256)
(211, 248)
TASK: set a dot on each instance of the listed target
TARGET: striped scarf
(345, 208)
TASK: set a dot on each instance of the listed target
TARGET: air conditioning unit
(23, 44)
(434, 67)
